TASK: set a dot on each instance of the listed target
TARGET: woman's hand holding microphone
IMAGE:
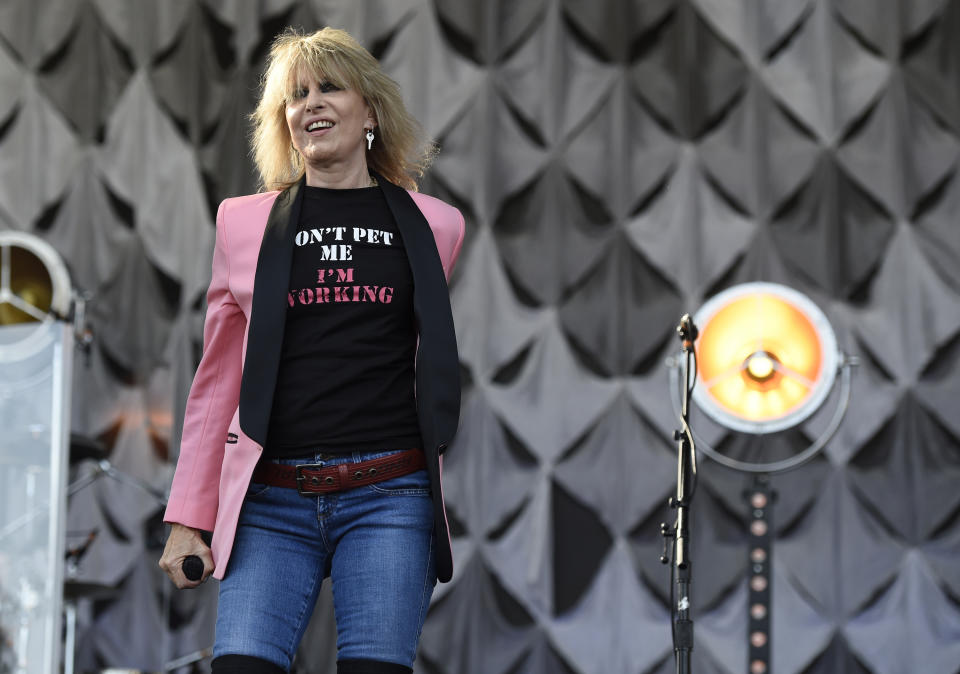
(186, 558)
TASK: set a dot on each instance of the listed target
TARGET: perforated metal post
(760, 500)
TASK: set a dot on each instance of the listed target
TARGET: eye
(299, 92)
(328, 87)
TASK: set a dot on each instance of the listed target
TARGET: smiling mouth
(315, 126)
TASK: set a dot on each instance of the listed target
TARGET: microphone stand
(680, 570)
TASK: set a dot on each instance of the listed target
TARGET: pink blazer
(229, 403)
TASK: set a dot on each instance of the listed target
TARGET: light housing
(766, 358)
(34, 290)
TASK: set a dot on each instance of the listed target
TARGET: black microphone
(687, 331)
(192, 567)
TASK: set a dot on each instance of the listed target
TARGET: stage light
(34, 290)
(34, 283)
(767, 358)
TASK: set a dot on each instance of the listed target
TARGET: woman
(329, 385)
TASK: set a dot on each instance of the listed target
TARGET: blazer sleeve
(213, 398)
(460, 229)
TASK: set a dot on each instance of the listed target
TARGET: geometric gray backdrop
(618, 162)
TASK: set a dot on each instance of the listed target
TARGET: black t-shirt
(346, 375)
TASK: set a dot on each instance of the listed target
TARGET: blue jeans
(375, 543)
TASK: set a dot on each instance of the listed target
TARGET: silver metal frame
(38, 635)
(846, 363)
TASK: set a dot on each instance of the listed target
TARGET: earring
(369, 139)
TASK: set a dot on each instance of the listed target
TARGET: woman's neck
(338, 178)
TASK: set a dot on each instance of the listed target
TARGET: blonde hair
(401, 152)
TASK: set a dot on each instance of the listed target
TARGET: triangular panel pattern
(618, 162)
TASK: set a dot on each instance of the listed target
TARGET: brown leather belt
(315, 478)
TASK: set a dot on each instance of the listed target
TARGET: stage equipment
(767, 359)
(679, 533)
(85, 449)
(36, 348)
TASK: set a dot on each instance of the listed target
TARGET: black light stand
(680, 571)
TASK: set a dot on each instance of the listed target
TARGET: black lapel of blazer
(268, 313)
(438, 366)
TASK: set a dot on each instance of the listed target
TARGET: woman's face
(327, 124)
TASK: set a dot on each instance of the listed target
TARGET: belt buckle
(315, 481)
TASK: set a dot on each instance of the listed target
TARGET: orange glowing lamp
(766, 357)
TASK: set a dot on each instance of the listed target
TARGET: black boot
(244, 664)
(371, 667)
